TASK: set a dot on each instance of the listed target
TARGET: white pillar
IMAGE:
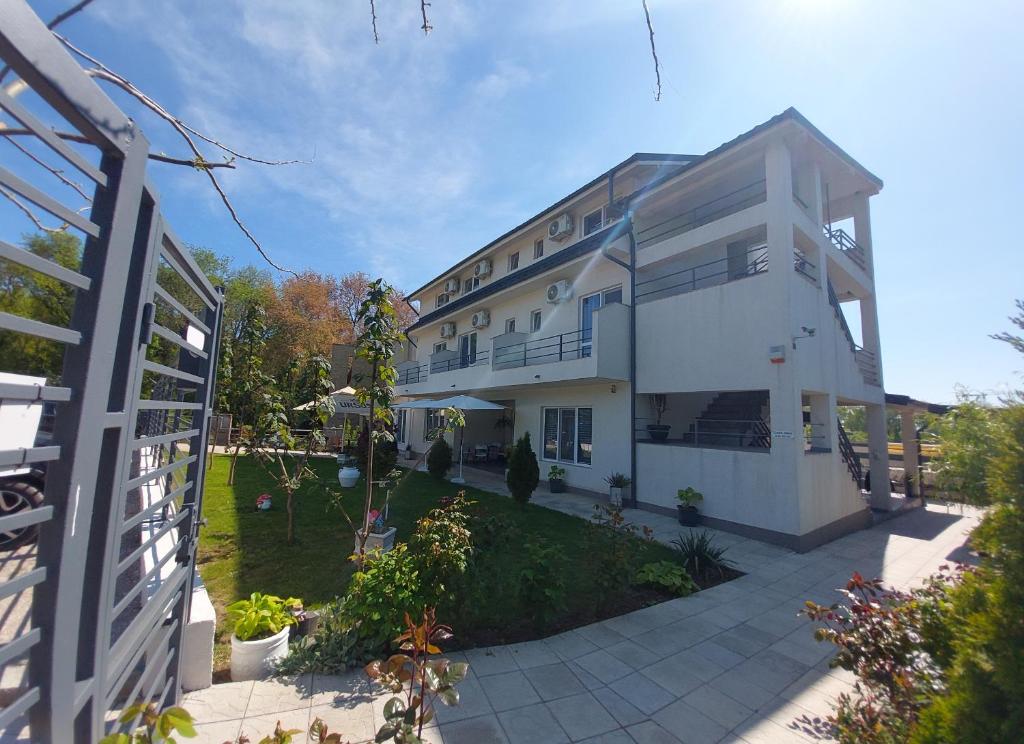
(911, 448)
(878, 448)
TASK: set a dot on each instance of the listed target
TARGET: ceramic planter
(257, 659)
(658, 432)
(688, 515)
(348, 476)
(556, 485)
(615, 494)
(383, 540)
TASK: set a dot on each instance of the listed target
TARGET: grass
(242, 551)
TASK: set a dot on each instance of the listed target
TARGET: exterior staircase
(850, 457)
(865, 360)
(733, 419)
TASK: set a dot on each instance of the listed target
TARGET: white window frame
(440, 346)
(442, 300)
(539, 316)
(576, 435)
(513, 261)
(510, 325)
(583, 222)
(538, 248)
(471, 283)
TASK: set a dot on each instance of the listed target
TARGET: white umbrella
(344, 397)
(465, 403)
(416, 404)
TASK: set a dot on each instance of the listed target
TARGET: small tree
(439, 458)
(523, 471)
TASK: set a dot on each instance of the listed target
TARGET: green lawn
(242, 551)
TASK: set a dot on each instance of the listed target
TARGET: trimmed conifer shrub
(523, 471)
(439, 458)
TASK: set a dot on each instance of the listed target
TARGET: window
(568, 435)
(589, 305)
(467, 350)
(442, 299)
(443, 346)
(510, 325)
(432, 421)
(535, 321)
(400, 425)
(538, 248)
(593, 221)
(471, 283)
(513, 261)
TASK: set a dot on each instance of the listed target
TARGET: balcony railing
(572, 345)
(710, 274)
(847, 245)
(412, 375)
(714, 209)
(463, 361)
(804, 267)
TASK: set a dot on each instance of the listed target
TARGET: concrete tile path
(734, 663)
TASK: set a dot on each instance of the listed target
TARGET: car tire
(17, 496)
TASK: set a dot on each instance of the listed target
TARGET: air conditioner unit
(452, 285)
(447, 330)
(559, 291)
(481, 318)
(560, 228)
(482, 268)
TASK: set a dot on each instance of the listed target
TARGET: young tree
(967, 439)
(523, 471)
(305, 319)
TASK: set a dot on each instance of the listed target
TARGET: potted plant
(617, 484)
(348, 476)
(689, 497)
(556, 479)
(260, 635)
(657, 430)
(381, 537)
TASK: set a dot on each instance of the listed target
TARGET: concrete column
(878, 448)
(779, 186)
(823, 417)
(808, 186)
(911, 448)
(862, 230)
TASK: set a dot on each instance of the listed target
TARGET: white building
(713, 287)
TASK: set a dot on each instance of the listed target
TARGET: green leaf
(394, 709)
(387, 731)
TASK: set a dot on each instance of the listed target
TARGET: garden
(498, 571)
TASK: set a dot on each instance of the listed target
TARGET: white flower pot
(384, 540)
(256, 659)
(615, 496)
(347, 477)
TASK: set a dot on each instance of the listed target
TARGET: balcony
(519, 359)
(691, 217)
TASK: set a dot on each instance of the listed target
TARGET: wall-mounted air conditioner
(560, 228)
(452, 285)
(481, 318)
(447, 330)
(482, 268)
(560, 291)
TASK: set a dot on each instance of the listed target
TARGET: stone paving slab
(734, 663)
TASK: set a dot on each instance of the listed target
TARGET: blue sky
(426, 148)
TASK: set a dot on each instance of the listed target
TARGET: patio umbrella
(465, 403)
(344, 397)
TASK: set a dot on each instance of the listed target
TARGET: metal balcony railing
(463, 361)
(710, 274)
(804, 267)
(413, 375)
(847, 246)
(572, 345)
(703, 214)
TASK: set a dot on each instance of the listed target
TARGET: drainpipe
(632, 352)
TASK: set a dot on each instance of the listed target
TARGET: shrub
(542, 581)
(614, 550)
(380, 595)
(334, 648)
(700, 557)
(523, 471)
(442, 547)
(261, 616)
(668, 575)
(439, 458)
(618, 480)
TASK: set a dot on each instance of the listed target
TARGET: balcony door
(589, 305)
(467, 350)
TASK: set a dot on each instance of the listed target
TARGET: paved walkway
(733, 663)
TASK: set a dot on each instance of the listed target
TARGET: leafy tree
(305, 319)
(967, 439)
(523, 471)
(439, 458)
(33, 295)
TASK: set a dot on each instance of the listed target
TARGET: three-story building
(683, 320)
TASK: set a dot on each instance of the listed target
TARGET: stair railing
(850, 456)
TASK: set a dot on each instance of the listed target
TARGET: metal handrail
(757, 434)
(758, 265)
(412, 375)
(847, 245)
(849, 455)
(802, 266)
(460, 362)
(833, 300)
(691, 219)
(571, 345)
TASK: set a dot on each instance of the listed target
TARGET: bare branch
(427, 28)
(654, 52)
(57, 20)
(159, 157)
(55, 171)
(29, 213)
(373, 20)
(102, 72)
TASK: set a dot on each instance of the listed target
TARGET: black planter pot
(556, 485)
(688, 515)
(308, 621)
(658, 432)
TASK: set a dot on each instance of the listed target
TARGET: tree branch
(654, 52)
(29, 213)
(159, 157)
(55, 171)
(57, 20)
(427, 28)
(373, 20)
